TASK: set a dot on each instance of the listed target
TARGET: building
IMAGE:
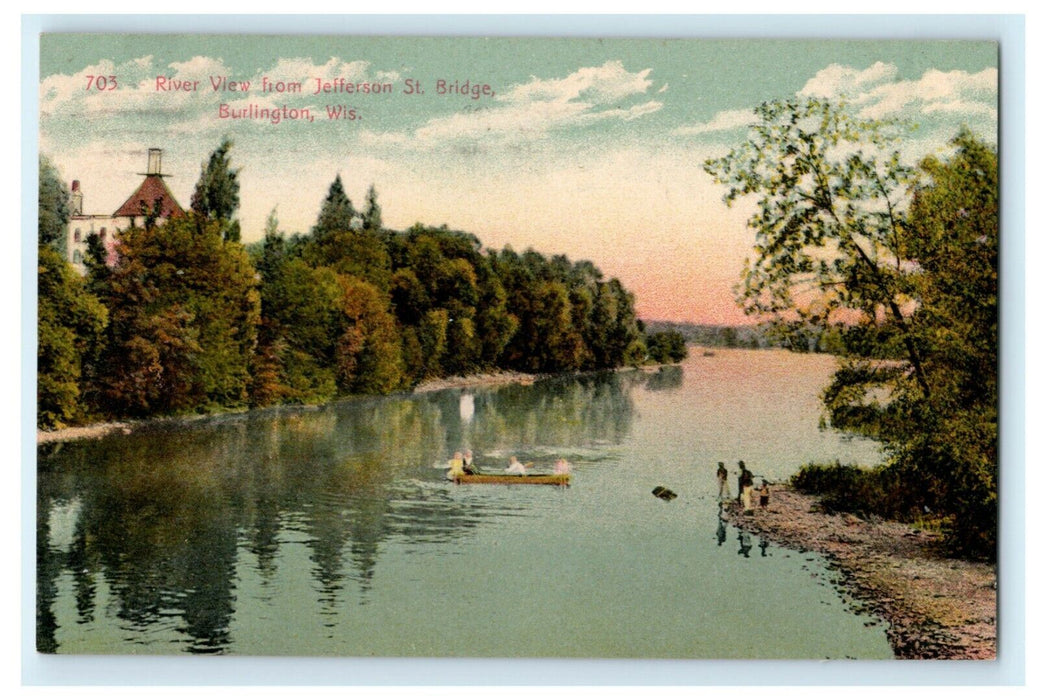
(151, 195)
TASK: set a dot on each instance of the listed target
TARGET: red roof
(153, 187)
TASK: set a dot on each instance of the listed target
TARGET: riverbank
(99, 430)
(937, 608)
(476, 380)
(81, 432)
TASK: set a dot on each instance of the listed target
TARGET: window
(76, 235)
(77, 257)
(104, 234)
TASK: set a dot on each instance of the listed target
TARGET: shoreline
(935, 607)
(94, 431)
(472, 381)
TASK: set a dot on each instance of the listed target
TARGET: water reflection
(666, 378)
(720, 533)
(163, 516)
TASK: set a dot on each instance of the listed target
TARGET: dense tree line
(899, 266)
(188, 319)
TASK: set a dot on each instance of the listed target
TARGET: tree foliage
(216, 193)
(53, 207)
(184, 309)
(666, 347)
(71, 326)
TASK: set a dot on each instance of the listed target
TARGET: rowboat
(553, 479)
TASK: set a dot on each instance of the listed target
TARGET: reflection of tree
(165, 509)
(573, 410)
(48, 568)
(669, 377)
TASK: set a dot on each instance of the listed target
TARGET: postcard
(517, 348)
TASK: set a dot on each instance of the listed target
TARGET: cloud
(722, 121)
(586, 96)
(835, 80)
(877, 93)
(939, 102)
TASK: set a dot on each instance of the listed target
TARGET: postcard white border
(1008, 30)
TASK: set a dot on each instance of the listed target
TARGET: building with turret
(152, 196)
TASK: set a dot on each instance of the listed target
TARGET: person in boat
(467, 462)
(455, 467)
(562, 466)
(723, 482)
(515, 467)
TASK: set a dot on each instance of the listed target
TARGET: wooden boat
(553, 479)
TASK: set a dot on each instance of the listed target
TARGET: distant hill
(716, 336)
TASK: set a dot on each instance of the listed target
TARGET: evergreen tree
(337, 213)
(372, 216)
(216, 193)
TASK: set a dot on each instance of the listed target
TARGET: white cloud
(604, 83)
(722, 121)
(585, 96)
(836, 80)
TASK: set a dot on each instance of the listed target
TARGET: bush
(881, 491)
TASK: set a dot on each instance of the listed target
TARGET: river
(331, 530)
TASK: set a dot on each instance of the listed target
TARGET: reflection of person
(467, 463)
(562, 466)
(721, 532)
(763, 494)
(515, 466)
(455, 467)
(723, 481)
(744, 544)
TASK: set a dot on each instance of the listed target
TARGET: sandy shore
(938, 608)
(475, 380)
(81, 432)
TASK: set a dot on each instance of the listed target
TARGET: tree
(954, 226)
(337, 213)
(71, 326)
(831, 216)
(900, 268)
(216, 193)
(184, 309)
(372, 216)
(54, 210)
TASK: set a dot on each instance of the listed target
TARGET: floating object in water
(664, 493)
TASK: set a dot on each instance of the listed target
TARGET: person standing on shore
(723, 482)
(763, 494)
(745, 481)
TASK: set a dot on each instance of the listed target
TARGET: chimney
(154, 161)
(76, 199)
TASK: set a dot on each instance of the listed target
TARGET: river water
(332, 531)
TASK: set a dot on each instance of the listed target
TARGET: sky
(584, 147)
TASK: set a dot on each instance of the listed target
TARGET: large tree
(831, 195)
(184, 310)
